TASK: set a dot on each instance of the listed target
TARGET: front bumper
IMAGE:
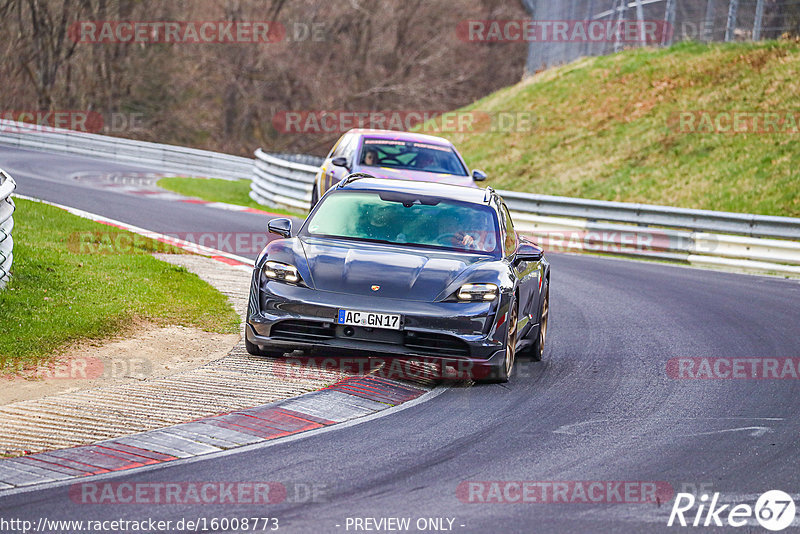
(288, 317)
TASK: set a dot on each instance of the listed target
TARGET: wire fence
(675, 20)
(7, 186)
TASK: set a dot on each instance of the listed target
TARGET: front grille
(435, 344)
(303, 331)
(425, 343)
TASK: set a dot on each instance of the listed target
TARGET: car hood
(420, 176)
(399, 272)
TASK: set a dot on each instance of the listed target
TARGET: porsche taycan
(398, 269)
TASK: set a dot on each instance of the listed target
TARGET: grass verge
(217, 190)
(60, 293)
(608, 128)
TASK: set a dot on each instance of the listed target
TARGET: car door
(343, 149)
(328, 171)
(526, 272)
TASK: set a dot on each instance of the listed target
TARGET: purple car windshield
(411, 155)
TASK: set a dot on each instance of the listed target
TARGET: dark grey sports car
(402, 269)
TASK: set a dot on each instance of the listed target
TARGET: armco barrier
(163, 158)
(755, 243)
(7, 186)
(278, 182)
(750, 242)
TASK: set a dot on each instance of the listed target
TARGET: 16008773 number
(244, 524)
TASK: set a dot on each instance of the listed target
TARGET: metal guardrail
(164, 158)
(652, 215)
(278, 182)
(741, 241)
(7, 186)
(559, 223)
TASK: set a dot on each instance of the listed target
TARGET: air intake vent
(303, 331)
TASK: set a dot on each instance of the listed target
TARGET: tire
(314, 196)
(537, 351)
(255, 350)
(502, 371)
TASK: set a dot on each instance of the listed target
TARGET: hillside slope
(609, 128)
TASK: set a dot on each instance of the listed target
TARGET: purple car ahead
(392, 154)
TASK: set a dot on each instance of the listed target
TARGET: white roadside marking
(575, 429)
(755, 431)
(246, 263)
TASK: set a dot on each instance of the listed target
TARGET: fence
(698, 20)
(7, 186)
(754, 243)
(164, 158)
(750, 242)
(277, 181)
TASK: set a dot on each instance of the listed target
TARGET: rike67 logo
(774, 510)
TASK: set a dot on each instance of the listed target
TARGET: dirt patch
(149, 351)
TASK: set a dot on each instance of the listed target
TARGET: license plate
(368, 319)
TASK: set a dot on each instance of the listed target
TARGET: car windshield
(407, 219)
(424, 157)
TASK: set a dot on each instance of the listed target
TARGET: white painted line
(755, 431)
(180, 243)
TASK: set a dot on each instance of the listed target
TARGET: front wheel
(314, 196)
(537, 351)
(502, 371)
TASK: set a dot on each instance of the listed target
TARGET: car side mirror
(478, 176)
(281, 227)
(340, 161)
(528, 252)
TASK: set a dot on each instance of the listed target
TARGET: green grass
(606, 129)
(71, 282)
(216, 190)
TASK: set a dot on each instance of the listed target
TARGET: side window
(350, 149)
(340, 146)
(510, 245)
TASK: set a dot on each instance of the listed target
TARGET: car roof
(395, 135)
(460, 193)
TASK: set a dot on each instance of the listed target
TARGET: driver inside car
(452, 235)
(370, 158)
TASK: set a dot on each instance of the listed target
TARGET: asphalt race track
(601, 407)
(53, 178)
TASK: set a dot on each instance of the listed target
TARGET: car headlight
(281, 272)
(485, 292)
